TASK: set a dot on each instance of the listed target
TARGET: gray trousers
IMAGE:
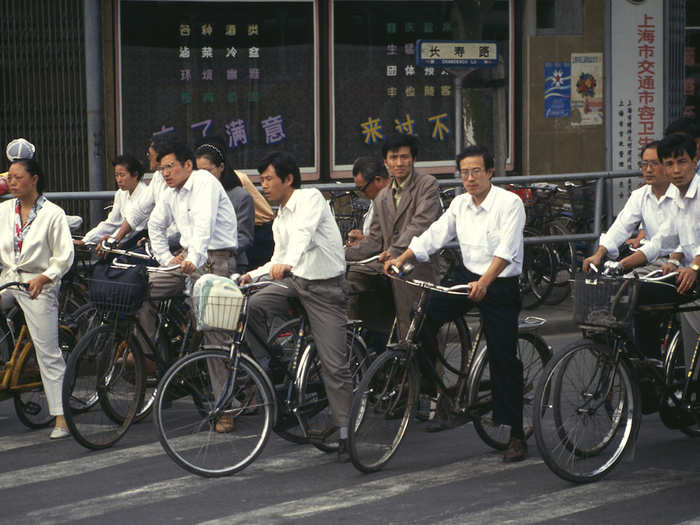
(163, 285)
(324, 302)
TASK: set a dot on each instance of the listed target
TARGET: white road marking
(376, 490)
(579, 498)
(301, 457)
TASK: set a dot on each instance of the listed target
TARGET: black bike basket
(121, 290)
(604, 301)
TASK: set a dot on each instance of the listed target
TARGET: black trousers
(499, 310)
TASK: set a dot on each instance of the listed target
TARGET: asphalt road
(446, 478)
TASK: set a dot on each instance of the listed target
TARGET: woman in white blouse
(36, 248)
(127, 173)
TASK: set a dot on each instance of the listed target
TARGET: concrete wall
(554, 145)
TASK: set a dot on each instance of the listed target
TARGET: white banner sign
(637, 98)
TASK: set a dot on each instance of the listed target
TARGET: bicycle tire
(381, 410)
(564, 255)
(103, 387)
(454, 344)
(31, 405)
(311, 392)
(185, 415)
(675, 375)
(534, 353)
(587, 412)
(538, 275)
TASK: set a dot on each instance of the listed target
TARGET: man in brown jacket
(402, 210)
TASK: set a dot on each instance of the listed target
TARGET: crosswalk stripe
(692, 521)
(577, 499)
(373, 491)
(89, 463)
(300, 457)
(27, 439)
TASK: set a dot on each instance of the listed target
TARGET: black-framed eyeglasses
(363, 188)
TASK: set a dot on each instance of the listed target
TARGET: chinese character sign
(637, 85)
(222, 70)
(586, 89)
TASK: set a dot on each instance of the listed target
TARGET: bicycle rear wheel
(539, 273)
(312, 400)
(675, 371)
(31, 405)
(534, 354)
(381, 410)
(587, 412)
(103, 387)
(186, 413)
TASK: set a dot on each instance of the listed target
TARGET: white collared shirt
(681, 231)
(123, 203)
(368, 219)
(492, 229)
(642, 210)
(306, 238)
(47, 247)
(202, 213)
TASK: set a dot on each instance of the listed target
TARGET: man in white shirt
(308, 259)
(647, 208)
(488, 223)
(203, 214)
(680, 233)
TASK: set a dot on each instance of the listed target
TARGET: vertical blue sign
(557, 89)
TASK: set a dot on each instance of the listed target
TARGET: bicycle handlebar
(363, 261)
(457, 289)
(18, 284)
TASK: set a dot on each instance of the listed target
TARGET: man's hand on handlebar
(478, 291)
(244, 279)
(278, 271)
(686, 279)
(34, 286)
(354, 236)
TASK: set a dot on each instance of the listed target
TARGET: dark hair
(285, 164)
(399, 140)
(476, 151)
(133, 166)
(654, 144)
(32, 167)
(675, 144)
(180, 150)
(369, 168)
(685, 125)
(214, 150)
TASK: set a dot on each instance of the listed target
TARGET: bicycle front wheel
(187, 410)
(103, 387)
(678, 386)
(534, 353)
(381, 410)
(587, 412)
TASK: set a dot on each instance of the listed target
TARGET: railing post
(598, 205)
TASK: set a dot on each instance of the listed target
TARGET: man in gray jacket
(402, 210)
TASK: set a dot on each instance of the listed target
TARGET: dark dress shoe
(516, 451)
(343, 451)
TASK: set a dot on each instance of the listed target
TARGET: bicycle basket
(121, 290)
(604, 301)
(217, 303)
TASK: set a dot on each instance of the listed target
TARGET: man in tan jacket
(402, 210)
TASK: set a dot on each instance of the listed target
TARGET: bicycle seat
(530, 324)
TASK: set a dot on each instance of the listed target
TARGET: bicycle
(385, 399)
(19, 368)
(290, 400)
(590, 400)
(107, 387)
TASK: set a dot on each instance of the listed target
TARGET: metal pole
(93, 95)
(459, 108)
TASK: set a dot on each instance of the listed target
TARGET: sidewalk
(559, 317)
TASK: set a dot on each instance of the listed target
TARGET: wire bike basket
(217, 303)
(603, 301)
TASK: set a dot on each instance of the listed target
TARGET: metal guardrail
(600, 178)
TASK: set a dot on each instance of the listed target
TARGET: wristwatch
(674, 262)
(695, 268)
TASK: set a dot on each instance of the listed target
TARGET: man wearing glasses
(371, 177)
(406, 207)
(646, 209)
(488, 223)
